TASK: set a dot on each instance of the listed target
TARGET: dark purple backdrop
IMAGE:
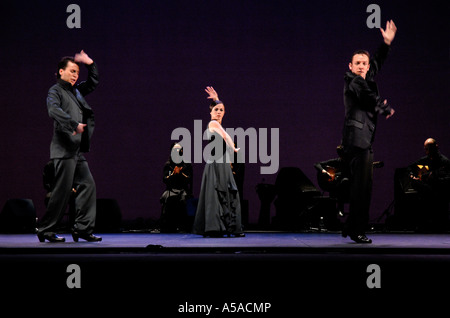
(275, 64)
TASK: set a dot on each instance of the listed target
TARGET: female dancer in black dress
(219, 210)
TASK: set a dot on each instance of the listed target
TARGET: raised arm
(389, 33)
(212, 94)
(92, 81)
(382, 52)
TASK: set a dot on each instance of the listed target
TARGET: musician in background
(333, 178)
(178, 180)
(431, 179)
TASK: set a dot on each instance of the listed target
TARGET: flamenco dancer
(219, 210)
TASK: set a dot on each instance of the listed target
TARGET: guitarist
(178, 178)
(332, 176)
(431, 179)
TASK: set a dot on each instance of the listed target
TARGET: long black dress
(219, 210)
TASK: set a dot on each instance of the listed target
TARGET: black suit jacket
(67, 106)
(362, 104)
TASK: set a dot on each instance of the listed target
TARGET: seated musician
(332, 176)
(178, 180)
(430, 176)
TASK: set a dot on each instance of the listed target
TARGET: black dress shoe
(87, 237)
(361, 239)
(53, 238)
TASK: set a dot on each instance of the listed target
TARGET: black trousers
(360, 162)
(71, 173)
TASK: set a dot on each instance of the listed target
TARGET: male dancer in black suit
(362, 105)
(73, 127)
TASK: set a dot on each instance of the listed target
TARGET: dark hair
(360, 52)
(214, 104)
(63, 64)
(340, 150)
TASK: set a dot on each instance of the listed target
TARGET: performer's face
(359, 65)
(430, 146)
(218, 112)
(70, 73)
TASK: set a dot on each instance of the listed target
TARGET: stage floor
(293, 272)
(258, 242)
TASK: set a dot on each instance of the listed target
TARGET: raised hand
(212, 93)
(389, 33)
(82, 57)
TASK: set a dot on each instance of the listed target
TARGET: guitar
(330, 180)
(422, 174)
